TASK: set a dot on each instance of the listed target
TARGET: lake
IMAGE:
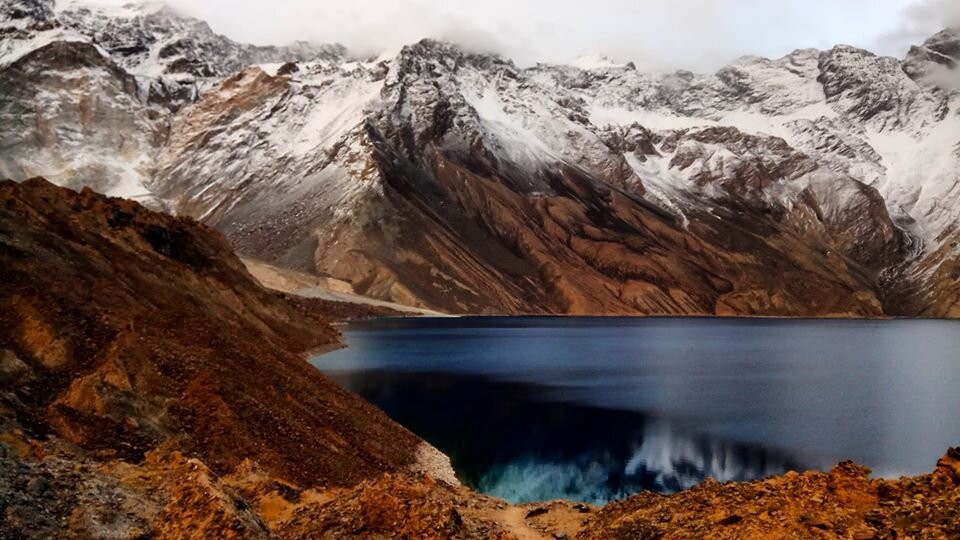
(594, 409)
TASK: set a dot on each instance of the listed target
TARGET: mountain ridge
(458, 181)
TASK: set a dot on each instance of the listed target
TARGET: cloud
(366, 27)
(926, 14)
(920, 20)
(943, 77)
(655, 34)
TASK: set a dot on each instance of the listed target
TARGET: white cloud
(944, 77)
(691, 34)
(921, 19)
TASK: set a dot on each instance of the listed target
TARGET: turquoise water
(595, 409)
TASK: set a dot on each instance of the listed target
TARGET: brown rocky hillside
(130, 329)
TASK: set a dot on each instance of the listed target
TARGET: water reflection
(510, 440)
(662, 459)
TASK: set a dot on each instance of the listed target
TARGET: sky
(656, 34)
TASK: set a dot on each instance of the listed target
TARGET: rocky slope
(124, 330)
(150, 388)
(821, 183)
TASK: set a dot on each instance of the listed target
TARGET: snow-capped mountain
(820, 183)
(173, 55)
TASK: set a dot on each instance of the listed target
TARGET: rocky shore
(151, 388)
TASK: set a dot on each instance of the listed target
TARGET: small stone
(873, 518)
(731, 519)
(38, 485)
(536, 512)
(819, 523)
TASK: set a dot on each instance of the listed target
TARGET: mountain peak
(937, 61)
(440, 47)
(127, 10)
(945, 43)
(426, 55)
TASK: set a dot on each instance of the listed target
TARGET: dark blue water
(596, 409)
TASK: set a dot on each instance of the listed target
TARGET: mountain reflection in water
(511, 441)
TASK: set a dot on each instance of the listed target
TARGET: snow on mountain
(89, 88)
(857, 113)
(175, 56)
(29, 25)
(21, 14)
(68, 111)
(302, 153)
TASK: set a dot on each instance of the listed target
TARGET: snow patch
(595, 61)
(516, 141)
(605, 115)
(663, 184)
(12, 50)
(922, 178)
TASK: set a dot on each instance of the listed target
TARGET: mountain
(88, 90)
(822, 183)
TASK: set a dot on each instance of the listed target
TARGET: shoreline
(599, 317)
(324, 349)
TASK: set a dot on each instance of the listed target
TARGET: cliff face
(821, 183)
(127, 330)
